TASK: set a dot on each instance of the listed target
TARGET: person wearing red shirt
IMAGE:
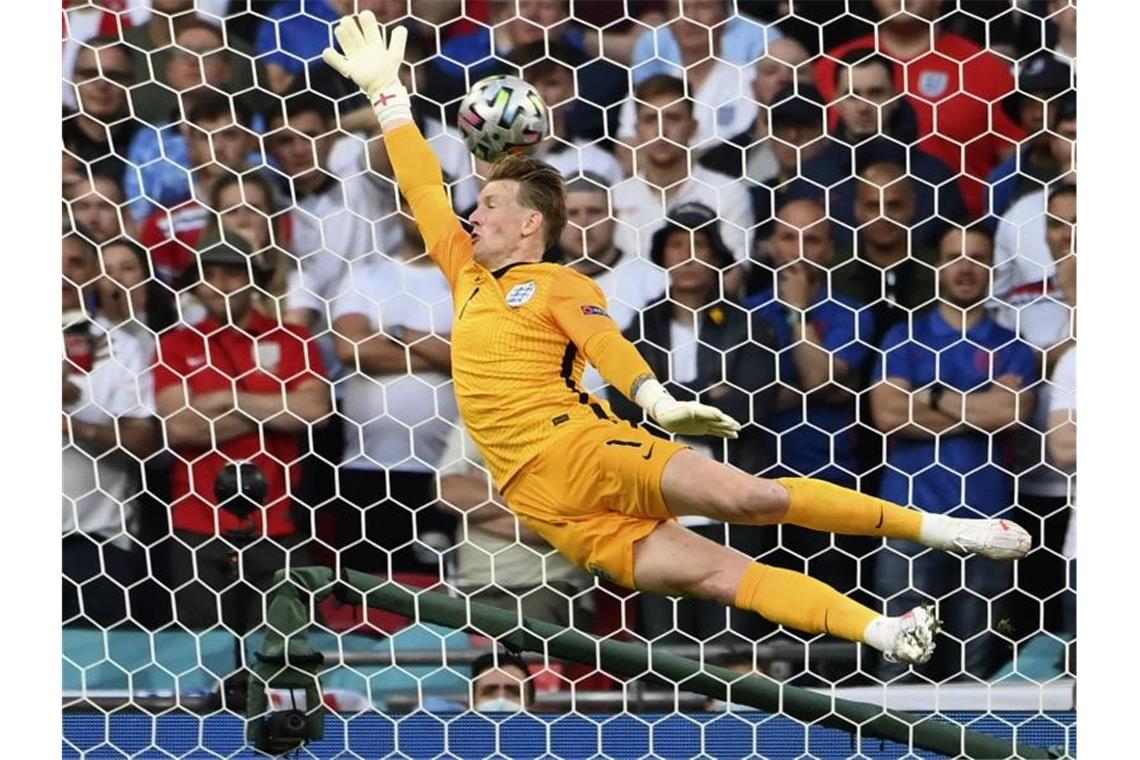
(962, 106)
(236, 387)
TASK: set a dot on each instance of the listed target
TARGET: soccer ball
(502, 114)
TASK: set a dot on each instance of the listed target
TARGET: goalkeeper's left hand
(683, 417)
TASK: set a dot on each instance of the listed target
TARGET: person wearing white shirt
(1043, 312)
(549, 69)
(391, 326)
(629, 281)
(108, 429)
(665, 125)
(1021, 257)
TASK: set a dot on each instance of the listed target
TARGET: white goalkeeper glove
(372, 64)
(683, 417)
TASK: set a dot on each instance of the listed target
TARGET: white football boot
(908, 638)
(991, 538)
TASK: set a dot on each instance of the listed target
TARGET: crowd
(864, 252)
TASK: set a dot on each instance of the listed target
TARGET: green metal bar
(631, 660)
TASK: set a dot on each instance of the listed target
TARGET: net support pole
(286, 641)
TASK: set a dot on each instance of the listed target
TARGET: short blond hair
(540, 188)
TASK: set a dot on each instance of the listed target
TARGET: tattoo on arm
(640, 381)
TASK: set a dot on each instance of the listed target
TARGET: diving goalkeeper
(602, 491)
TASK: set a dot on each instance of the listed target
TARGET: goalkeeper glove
(372, 64)
(683, 417)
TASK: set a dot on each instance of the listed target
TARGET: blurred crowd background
(849, 225)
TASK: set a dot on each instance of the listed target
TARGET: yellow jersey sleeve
(579, 308)
(421, 181)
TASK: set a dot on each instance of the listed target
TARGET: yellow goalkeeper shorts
(593, 493)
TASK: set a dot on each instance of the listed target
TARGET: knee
(755, 501)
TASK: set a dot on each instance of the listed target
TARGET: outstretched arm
(375, 66)
(578, 306)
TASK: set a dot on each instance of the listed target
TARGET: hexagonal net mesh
(849, 226)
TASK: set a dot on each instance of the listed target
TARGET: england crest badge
(520, 294)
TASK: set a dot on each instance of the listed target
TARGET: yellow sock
(798, 601)
(820, 505)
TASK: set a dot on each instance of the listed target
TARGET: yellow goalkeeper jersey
(522, 334)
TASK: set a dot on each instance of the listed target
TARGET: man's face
(172, 7)
(1060, 224)
(537, 19)
(123, 276)
(299, 148)
(691, 262)
(250, 216)
(698, 17)
(97, 208)
(198, 57)
(869, 89)
(219, 140)
(556, 86)
(499, 222)
(103, 96)
(886, 227)
(802, 232)
(1062, 144)
(664, 143)
(590, 232)
(793, 139)
(222, 285)
(778, 68)
(506, 683)
(80, 267)
(964, 268)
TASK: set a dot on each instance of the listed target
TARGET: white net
(850, 226)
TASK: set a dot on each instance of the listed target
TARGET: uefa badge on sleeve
(520, 294)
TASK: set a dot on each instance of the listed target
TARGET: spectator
(500, 561)
(950, 388)
(1044, 316)
(247, 204)
(96, 205)
(238, 386)
(956, 85)
(706, 345)
(178, 161)
(663, 180)
(329, 215)
(553, 75)
(870, 112)
(889, 272)
(1024, 262)
(198, 56)
(629, 281)
(823, 344)
(783, 67)
(100, 132)
(672, 47)
(716, 58)
(108, 427)
(391, 328)
(713, 351)
(1041, 79)
(1063, 14)
(501, 682)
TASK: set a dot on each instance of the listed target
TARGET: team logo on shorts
(520, 294)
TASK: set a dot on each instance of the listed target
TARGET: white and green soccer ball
(502, 114)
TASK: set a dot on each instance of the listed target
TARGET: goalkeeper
(603, 492)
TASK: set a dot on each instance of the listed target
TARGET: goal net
(851, 229)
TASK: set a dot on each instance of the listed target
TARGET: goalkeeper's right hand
(372, 64)
(683, 417)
